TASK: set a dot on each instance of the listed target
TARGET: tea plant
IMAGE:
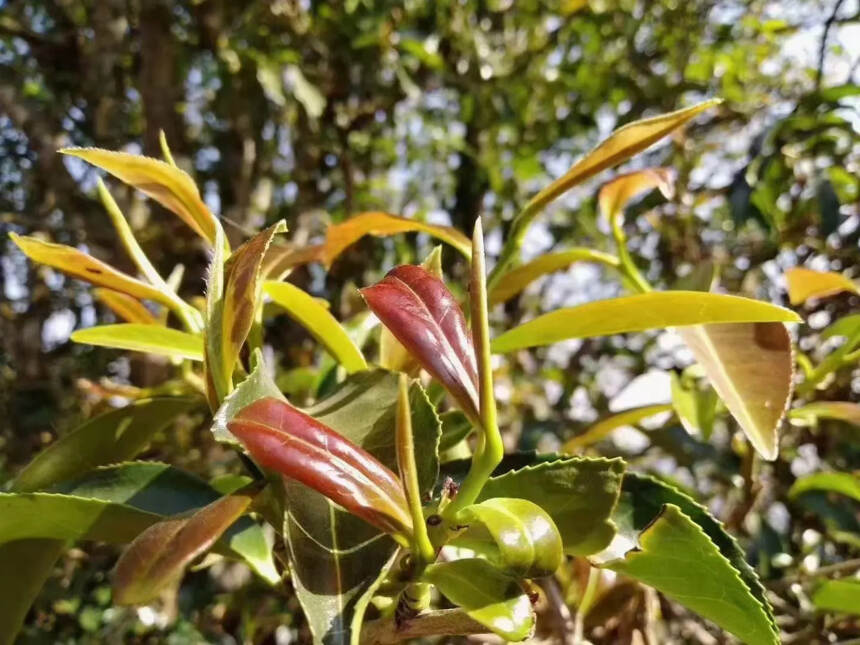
(390, 498)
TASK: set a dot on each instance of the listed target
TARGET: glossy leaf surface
(110, 438)
(620, 145)
(525, 542)
(487, 595)
(318, 320)
(242, 289)
(607, 425)
(423, 315)
(341, 236)
(284, 439)
(804, 284)
(578, 494)
(751, 366)
(257, 385)
(127, 308)
(834, 482)
(157, 557)
(639, 312)
(151, 339)
(166, 184)
(85, 267)
(518, 279)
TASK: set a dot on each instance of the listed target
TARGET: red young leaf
(422, 314)
(288, 441)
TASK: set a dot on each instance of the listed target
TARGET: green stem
(490, 447)
(627, 267)
(585, 605)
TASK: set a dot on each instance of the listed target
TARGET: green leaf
(314, 317)
(242, 286)
(341, 236)
(110, 438)
(157, 558)
(847, 326)
(219, 382)
(838, 595)
(487, 595)
(605, 426)
(842, 483)
(577, 493)
(644, 503)
(676, 557)
(257, 385)
(336, 559)
(751, 367)
(455, 427)
(838, 410)
(151, 339)
(516, 535)
(638, 312)
(518, 279)
(695, 408)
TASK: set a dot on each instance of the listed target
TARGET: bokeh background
(443, 111)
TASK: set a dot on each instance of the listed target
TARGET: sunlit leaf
(847, 326)
(838, 595)
(219, 382)
(288, 441)
(157, 558)
(490, 597)
(423, 315)
(606, 426)
(317, 320)
(696, 408)
(638, 312)
(834, 482)
(516, 535)
(85, 267)
(340, 236)
(838, 410)
(620, 145)
(281, 258)
(152, 339)
(242, 289)
(615, 194)
(804, 284)
(578, 494)
(752, 369)
(127, 308)
(676, 557)
(518, 279)
(166, 184)
(110, 438)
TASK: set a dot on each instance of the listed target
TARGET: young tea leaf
(695, 408)
(838, 410)
(841, 596)
(843, 483)
(607, 425)
(804, 284)
(616, 194)
(125, 307)
(638, 312)
(423, 315)
(152, 339)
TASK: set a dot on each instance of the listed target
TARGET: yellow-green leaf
(639, 312)
(128, 308)
(522, 276)
(605, 426)
(838, 595)
(751, 367)
(340, 236)
(85, 267)
(151, 339)
(843, 483)
(242, 286)
(615, 194)
(620, 145)
(804, 284)
(309, 313)
(169, 186)
(839, 410)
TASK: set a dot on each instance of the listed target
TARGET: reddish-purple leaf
(286, 440)
(422, 314)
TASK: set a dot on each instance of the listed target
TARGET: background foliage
(311, 111)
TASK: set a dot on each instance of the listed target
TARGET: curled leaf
(157, 558)
(423, 315)
(287, 440)
(804, 284)
(169, 186)
(605, 426)
(127, 308)
(340, 236)
(615, 194)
